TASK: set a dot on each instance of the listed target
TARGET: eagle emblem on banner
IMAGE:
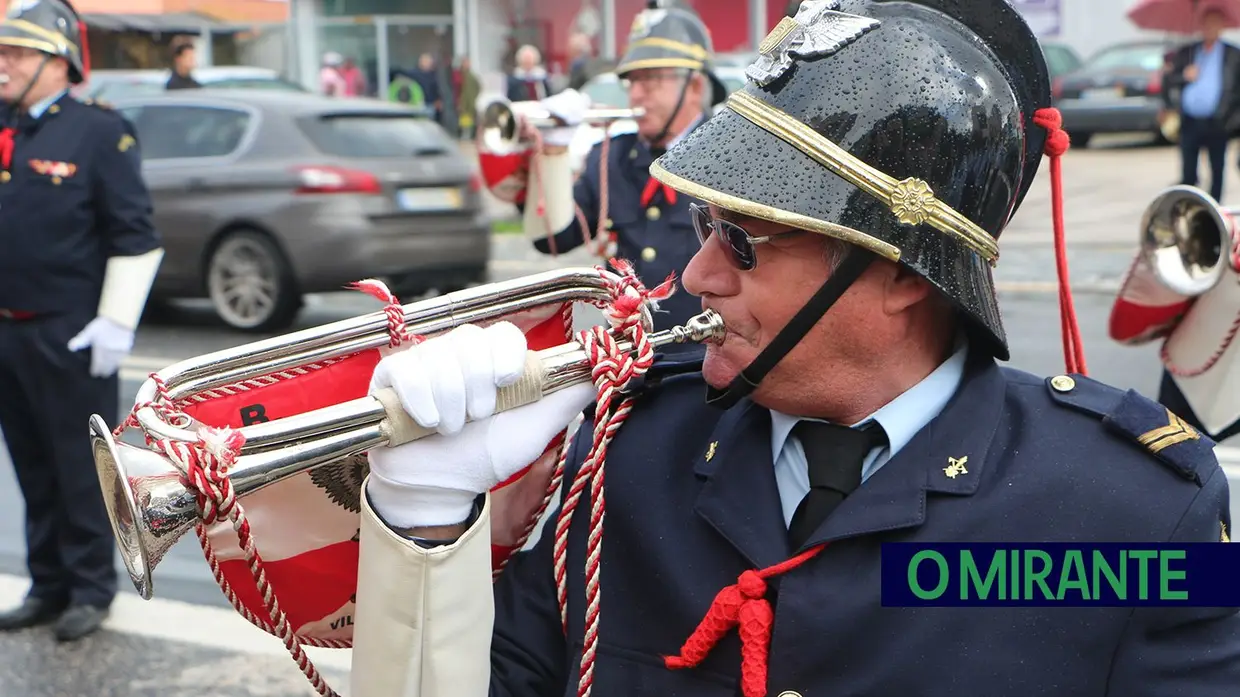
(817, 30)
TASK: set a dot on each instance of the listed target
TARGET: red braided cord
(611, 370)
(1057, 143)
(742, 605)
(206, 464)
(564, 441)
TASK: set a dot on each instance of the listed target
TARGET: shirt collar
(39, 109)
(902, 417)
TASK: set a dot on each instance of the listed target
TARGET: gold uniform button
(649, 254)
(653, 213)
(5, 177)
(1063, 383)
(607, 223)
(54, 109)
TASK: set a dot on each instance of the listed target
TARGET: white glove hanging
(442, 382)
(109, 343)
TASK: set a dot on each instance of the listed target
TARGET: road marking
(171, 620)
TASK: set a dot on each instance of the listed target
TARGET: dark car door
(187, 151)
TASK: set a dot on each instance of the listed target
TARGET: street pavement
(189, 642)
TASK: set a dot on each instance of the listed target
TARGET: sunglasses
(736, 242)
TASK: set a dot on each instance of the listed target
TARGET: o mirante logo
(1048, 574)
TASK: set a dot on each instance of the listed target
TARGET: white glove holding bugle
(450, 384)
(570, 107)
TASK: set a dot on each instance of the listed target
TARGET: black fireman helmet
(903, 127)
(670, 35)
(50, 26)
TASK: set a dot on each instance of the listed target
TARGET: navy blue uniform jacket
(658, 239)
(72, 198)
(692, 503)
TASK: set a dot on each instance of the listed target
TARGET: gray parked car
(264, 196)
(110, 85)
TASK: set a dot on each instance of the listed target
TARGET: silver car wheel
(244, 281)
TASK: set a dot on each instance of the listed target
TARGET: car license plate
(1103, 93)
(442, 199)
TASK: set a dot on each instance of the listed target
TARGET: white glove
(109, 343)
(569, 106)
(434, 481)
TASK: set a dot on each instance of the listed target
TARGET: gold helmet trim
(911, 200)
(660, 63)
(762, 211)
(691, 50)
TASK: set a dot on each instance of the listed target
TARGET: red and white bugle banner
(306, 526)
(1145, 308)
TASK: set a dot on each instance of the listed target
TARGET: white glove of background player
(570, 107)
(434, 481)
(109, 344)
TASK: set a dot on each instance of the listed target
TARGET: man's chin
(717, 370)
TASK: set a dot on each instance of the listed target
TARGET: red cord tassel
(6, 148)
(744, 606)
(1057, 143)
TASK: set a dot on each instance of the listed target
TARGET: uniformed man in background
(667, 72)
(78, 255)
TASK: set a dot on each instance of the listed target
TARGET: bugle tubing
(152, 505)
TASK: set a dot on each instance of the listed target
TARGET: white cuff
(126, 284)
(407, 506)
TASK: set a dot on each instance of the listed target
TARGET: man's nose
(708, 272)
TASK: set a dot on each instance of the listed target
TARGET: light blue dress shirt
(901, 418)
(41, 108)
(1200, 97)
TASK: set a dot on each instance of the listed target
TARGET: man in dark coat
(1202, 84)
(738, 545)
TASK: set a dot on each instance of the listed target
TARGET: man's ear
(905, 288)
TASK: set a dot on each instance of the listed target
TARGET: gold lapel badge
(710, 450)
(956, 467)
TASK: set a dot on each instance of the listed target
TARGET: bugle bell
(499, 124)
(149, 499)
(1186, 239)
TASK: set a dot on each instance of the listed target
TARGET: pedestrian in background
(529, 80)
(467, 87)
(184, 60)
(1206, 76)
(78, 255)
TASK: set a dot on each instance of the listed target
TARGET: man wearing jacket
(1203, 84)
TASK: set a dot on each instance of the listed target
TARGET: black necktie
(835, 455)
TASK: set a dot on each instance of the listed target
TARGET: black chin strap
(856, 262)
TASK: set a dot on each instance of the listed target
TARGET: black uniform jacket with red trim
(691, 503)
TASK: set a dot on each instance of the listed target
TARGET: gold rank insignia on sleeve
(1223, 532)
(1176, 431)
(126, 143)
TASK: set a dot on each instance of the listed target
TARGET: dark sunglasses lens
(738, 244)
(734, 239)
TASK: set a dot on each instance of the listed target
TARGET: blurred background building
(382, 36)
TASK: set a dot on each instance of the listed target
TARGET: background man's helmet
(902, 126)
(669, 36)
(50, 26)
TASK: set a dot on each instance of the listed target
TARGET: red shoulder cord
(653, 186)
(1057, 144)
(744, 604)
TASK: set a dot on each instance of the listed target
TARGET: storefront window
(348, 8)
